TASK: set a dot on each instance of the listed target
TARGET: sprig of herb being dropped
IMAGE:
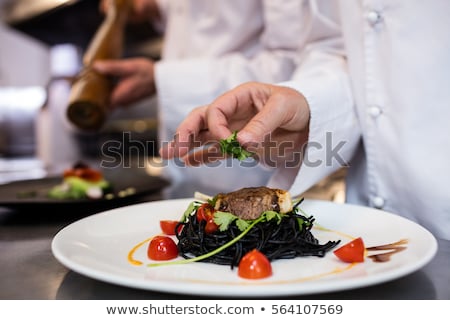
(232, 147)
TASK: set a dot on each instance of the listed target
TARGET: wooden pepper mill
(90, 92)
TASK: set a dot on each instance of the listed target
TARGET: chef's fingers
(191, 133)
(256, 110)
(284, 108)
(232, 110)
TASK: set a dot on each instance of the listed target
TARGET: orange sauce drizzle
(133, 251)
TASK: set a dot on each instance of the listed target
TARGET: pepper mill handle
(90, 91)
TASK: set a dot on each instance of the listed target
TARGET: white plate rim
(251, 289)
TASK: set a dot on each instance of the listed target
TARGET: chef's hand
(141, 10)
(271, 120)
(135, 79)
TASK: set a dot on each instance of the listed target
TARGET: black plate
(17, 194)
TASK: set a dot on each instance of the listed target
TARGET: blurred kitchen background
(41, 47)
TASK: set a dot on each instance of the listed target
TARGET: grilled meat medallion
(250, 203)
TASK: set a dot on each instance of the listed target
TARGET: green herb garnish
(232, 147)
(224, 219)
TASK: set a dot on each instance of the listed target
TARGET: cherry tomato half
(211, 226)
(168, 226)
(352, 251)
(254, 265)
(206, 213)
(162, 248)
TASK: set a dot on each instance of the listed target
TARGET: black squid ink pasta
(287, 238)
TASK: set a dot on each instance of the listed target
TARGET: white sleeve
(334, 132)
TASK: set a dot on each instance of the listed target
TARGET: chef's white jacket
(211, 46)
(394, 130)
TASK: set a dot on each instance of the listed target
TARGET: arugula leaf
(232, 147)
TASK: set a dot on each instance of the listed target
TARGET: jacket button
(374, 17)
(378, 202)
(374, 111)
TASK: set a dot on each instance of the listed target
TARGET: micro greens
(232, 147)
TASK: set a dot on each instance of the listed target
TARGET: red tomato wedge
(168, 226)
(206, 213)
(352, 251)
(211, 226)
(254, 265)
(162, 248)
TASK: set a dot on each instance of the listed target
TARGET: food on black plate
(81, 182)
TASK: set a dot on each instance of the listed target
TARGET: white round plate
(98, 247)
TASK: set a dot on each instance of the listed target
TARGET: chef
(382, 109)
